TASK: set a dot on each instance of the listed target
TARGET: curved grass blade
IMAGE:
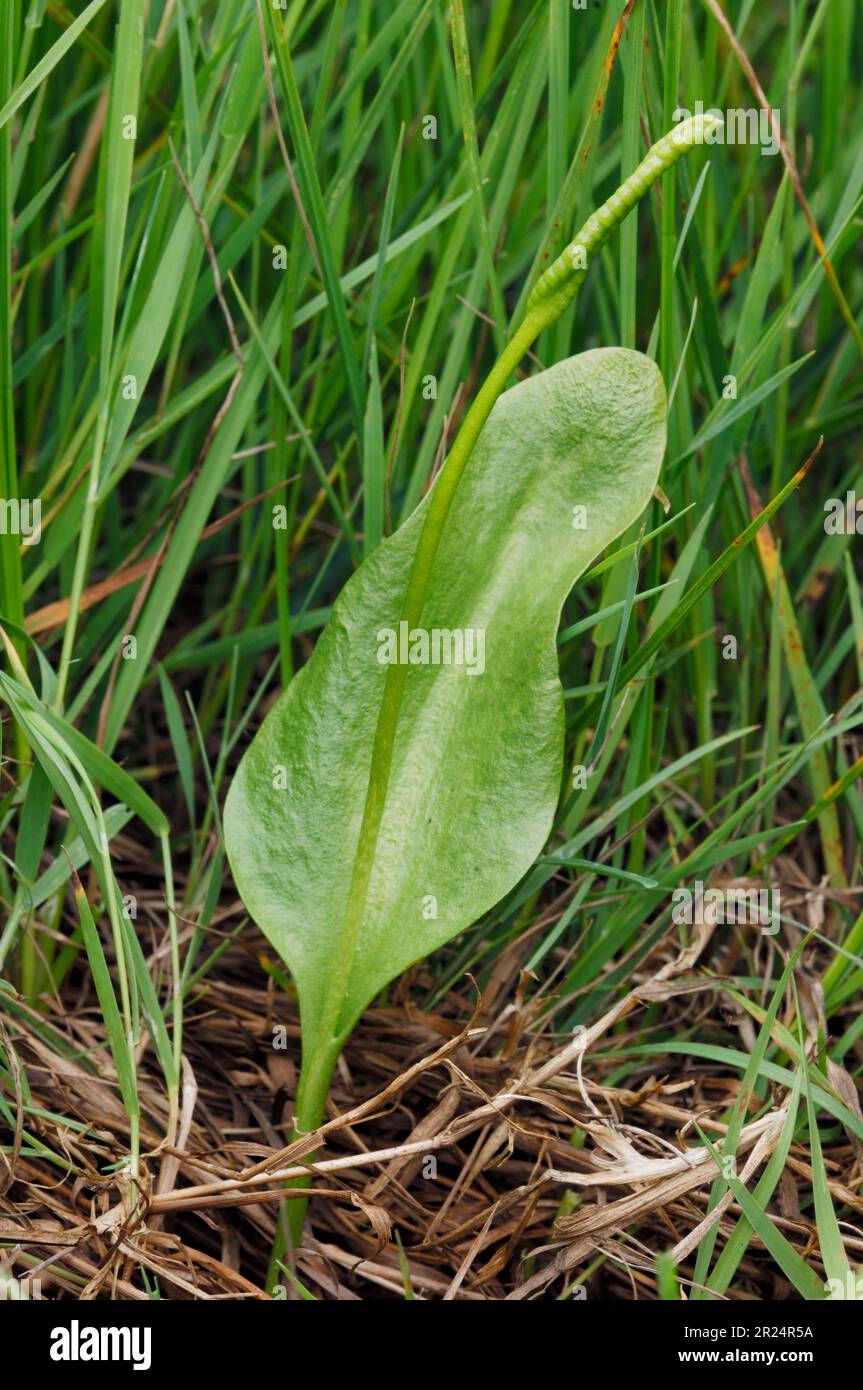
(48, 62)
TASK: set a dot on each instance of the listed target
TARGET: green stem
(10, 542)
(673, 42)
(315, 1076)
(176, 971)
(11, 580)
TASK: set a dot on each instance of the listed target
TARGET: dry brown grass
(451, 1128)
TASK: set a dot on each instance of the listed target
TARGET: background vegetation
(276, 288)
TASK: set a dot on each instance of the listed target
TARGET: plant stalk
(315, 1076)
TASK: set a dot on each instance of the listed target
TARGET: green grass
(407, 262)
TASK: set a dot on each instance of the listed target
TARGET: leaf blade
(490, 749)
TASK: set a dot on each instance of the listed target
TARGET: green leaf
(478, 748)
(99, 766)
(833, 1254)
(49, 61)
(787, 1258)
(120, 1048)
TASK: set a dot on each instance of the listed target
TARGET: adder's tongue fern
(551, 295)
(341, 957)
(556, 288)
